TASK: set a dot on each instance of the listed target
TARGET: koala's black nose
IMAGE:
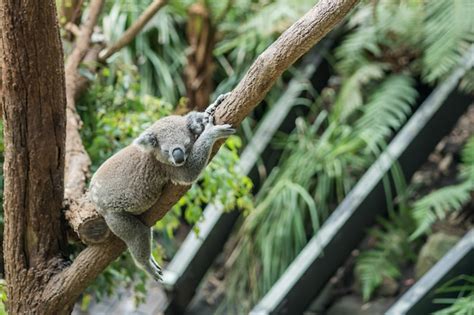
(178, 155)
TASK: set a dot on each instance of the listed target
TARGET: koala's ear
(147, 141)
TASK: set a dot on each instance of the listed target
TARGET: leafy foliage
(3, 297)
(376, 64)
(386, 37)
(157, 53)
(448, 33)
(394, 239)
(295, 199)
(463, 304)
(436, 205)
(390, 252)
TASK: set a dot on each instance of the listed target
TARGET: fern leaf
(350, 96)
(467, 171)
(371, 268)
(387, 109)
(436, 205)
(448, 30)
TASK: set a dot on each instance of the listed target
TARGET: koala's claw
(221, 98)
(156, 271)
(223, 131)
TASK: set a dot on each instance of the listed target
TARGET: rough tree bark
(34, 112)
(34, 104)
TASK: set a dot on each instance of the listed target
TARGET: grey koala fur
(175, 148)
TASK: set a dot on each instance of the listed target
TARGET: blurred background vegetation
(389, 51)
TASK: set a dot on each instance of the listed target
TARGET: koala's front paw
(212, 108)
(222, 131)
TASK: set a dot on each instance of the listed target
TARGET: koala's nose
(178, 156)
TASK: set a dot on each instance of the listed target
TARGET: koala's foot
(154, 269)
(212, 108)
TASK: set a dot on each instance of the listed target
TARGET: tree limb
(77, 159)
(133, 30)
(291, 45)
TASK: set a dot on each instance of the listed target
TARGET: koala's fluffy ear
(148, 141)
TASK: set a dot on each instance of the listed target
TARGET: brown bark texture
(34, 104)
(291, 45)
(201, 35)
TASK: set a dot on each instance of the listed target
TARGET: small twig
(83, 41)
(73, 28)
(133, 30)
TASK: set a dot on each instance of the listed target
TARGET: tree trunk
(201, 35)
(34, 104)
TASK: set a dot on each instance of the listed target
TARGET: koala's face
(169, 140)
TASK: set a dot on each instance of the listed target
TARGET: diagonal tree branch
(133, 30)
(291, 45)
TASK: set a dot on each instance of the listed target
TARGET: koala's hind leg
(138, 237)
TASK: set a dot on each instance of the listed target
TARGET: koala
(174, 148)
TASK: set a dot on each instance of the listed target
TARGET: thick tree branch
(77, 159)
(291, 45)
(133, 30)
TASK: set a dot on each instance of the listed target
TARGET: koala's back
(131, 180)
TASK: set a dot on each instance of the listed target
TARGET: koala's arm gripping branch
(291, 45)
